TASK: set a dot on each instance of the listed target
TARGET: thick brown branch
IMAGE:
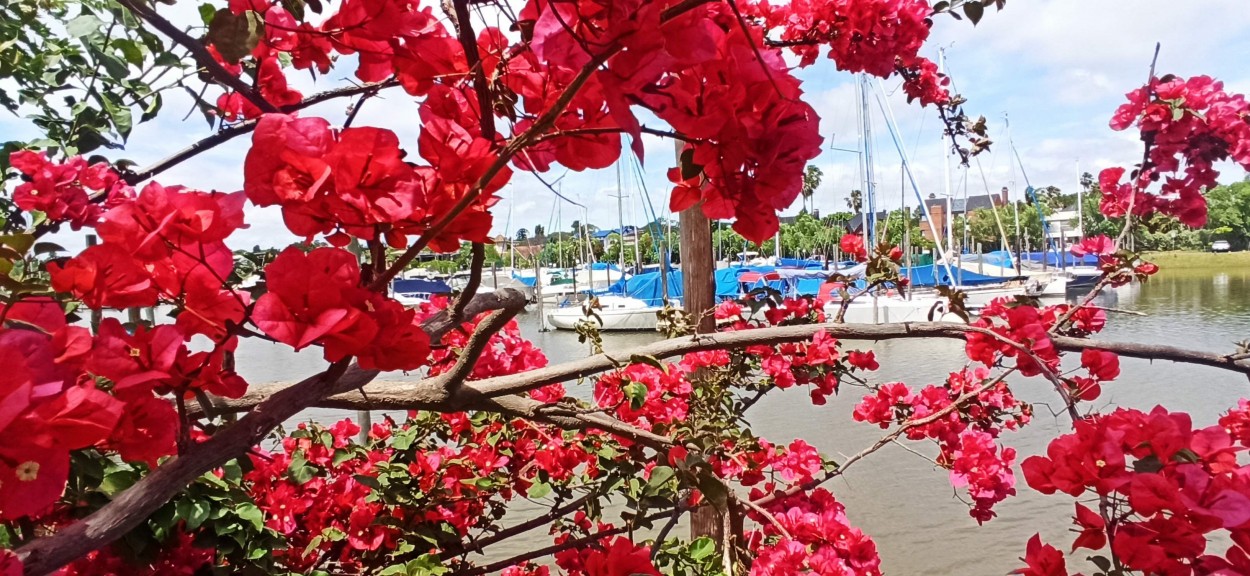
(199, 52)
(485, 101)
(475, 280)
(421, 396)
(131, 507)
(436, 326)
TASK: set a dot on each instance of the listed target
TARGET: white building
(1062, 227)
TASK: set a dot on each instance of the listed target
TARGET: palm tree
(811, 181)
(855, 201)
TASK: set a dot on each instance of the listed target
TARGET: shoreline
(1193, 260)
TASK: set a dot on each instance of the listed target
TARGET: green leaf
(207, 11)
(688, 168)
(538, 490)
(702, 548)
(295, 7)
(974, 11)
(636, 393)
(1148, 464)
(369, 481)
(660, 475)
(235, 36)
(116, 482)
(252, 514)
(85, 25)
(1102, 562)
(130, 50)
(649, 361)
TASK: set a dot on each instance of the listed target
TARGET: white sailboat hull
(886, 310)
(613, 320)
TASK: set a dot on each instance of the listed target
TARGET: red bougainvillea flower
(1093, 529)
(620, 557)
(44, 415)
(1099, 245)
(853, 246)
(105, 276)
(1042, 560)
(315, 298)
(66, 192)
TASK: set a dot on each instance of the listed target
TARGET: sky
(1056, 68)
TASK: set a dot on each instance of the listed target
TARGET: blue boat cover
(419, 286)
(935, 274)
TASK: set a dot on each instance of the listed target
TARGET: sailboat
(882, 306)
(632, 303)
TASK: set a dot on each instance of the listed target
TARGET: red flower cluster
(645, 395)
(53, 391)
(821, 539)
(965, 436)
(355, 181)
(1189, 125)
(72, 191)
(1024, 325)
(316, 298)
(862, 36)
(507, 352)
(1167, 485)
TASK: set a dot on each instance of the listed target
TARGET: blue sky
(1058, 68)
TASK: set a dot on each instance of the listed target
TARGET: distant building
(1062, 225)
(856, 224)
(959, 207)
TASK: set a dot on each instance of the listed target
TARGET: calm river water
(901, 499)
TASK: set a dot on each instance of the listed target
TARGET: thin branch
(575, 132)
(199, 52)
(435, 326)
(880, 443)
(468, 40)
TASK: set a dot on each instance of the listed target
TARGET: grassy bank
(1182, 260)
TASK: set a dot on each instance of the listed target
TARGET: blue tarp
(934, 275)
(526, 280)
(419, 286)
(647, 287)
(604, 266)
(1001, 258)
(1053, 259)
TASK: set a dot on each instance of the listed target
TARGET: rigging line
(892, 125)
(636, 165)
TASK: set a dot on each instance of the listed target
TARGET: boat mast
(869, 172)
(861, 110)
(1080, 204)
(946, 170)
(1015, 203)
(888, 112)
(620, 222)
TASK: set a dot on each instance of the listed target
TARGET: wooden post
(698, 286)
(538, 295)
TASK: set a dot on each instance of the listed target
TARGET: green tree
(1229, 213)
(811, 181)
(538, 230)
(855, 202)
